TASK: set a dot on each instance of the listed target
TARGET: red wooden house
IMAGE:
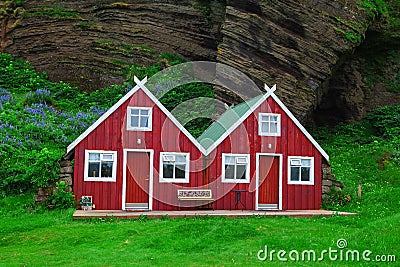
(256, 156)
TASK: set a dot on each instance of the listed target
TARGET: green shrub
(61, 198)
(335, 198)
(386, 121)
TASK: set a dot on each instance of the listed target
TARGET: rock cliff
(322, 54)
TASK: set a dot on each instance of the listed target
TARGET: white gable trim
(269, 93)
(236, 124)
(173, 119)
(102, 118)
(139, 85)
(302, 129)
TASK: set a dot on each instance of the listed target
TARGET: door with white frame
(138, 180)
(269, 177)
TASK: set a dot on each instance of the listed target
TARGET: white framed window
(269, 124)
(174, 167)
(100, 166)
(235, 168)
(139, 119)
(301, 170)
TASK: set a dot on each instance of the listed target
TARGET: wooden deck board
(80, 214)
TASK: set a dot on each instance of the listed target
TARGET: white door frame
(258, 155)
(151, 153)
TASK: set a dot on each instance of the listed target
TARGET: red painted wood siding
(111, 134)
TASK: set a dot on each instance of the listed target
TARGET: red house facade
(256, 156)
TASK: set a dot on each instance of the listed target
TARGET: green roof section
(226, 121)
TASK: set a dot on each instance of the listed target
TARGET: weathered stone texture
(309, 48)
(329, 181)
(296, 45)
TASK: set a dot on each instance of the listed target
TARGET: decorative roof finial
(268, 89)
(140, 82)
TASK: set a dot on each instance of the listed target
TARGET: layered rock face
(369, 78)
(310, 49)
(90, 43)
(295, 44)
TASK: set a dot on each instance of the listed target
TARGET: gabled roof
(139, 85)
(218, 131)
(228, 120)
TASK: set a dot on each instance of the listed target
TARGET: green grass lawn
(53, 239)
(30, 236)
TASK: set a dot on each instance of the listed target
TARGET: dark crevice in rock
(367, 79)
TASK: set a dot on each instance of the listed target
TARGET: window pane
(180, 158)
(305, 173)
(168, 170)
(106, 169)
(144, 121)
(108, 156)
(241, 172)
(264, 127)
(229, 172)
(169, 158)
(295, 162)
(294, 173)
(94, 156)
(144, 112)
(229, 160)
(273, 127)
(135, 111)
(134, 121)
(274, 118)
(94, 169)
(306, 162)
(264, 118)
(180, 171)
(241, 160)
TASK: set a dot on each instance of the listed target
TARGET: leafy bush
(61, 198)
(335, 198)
(386, 121)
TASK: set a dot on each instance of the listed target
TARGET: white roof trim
(172, 118)
(302, 129)
(270, 92)
(140, 85)
(102, 118)
(236, 124)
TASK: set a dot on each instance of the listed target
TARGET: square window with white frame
(174, 167)
(139, 118)
(269, 124)
(100, 166)
(301, 170)
(235, 168)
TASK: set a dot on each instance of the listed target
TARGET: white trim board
(102, 118)
(140, 85)
(301, 127)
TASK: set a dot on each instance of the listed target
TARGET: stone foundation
(329, 181)
(66, 175)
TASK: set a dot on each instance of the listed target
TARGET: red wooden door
(137, 180)
(268, 191)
